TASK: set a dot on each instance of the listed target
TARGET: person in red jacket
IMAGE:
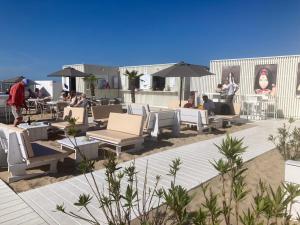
(16, 100)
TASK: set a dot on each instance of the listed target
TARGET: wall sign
(265, 79)
(231, 74)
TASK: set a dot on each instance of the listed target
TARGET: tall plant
(91, 80)
(132, 76)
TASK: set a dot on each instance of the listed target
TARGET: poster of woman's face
(231, 74)
(265, 79)
(298, 80)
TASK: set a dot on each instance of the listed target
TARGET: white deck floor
(195, 170)
(13, 210)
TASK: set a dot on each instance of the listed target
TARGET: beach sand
(67, 169)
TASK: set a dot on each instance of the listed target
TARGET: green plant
(132, 76)
(287, 140)
(91, 80)
(231, 170)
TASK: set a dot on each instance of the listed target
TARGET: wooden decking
(196, 169)
(13, 210)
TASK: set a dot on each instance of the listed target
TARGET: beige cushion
(75, 112)
(131, 124)
(116, 137)
(25, 138)
(100, 112)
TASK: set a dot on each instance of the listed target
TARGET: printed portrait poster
(265, 79)
(231, 73)
(298, 80)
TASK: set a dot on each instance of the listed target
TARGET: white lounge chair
(23, 155)
(101, 113)
(79, 113)
(163, 119)
(195, 117)
(122, 130)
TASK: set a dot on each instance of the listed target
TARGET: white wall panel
(288, 104)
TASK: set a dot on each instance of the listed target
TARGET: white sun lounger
(24, 155)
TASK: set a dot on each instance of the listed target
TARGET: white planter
(292, 175)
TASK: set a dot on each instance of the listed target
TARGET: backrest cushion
(189, 115)
(103, 111)
(75, 112)
(166, 118)
(131, 124)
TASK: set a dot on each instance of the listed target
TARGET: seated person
(73, 98)
(190, 103)
(64, 96)
(208, 105)
(219, 88)
(83, 102)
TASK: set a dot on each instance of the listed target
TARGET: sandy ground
(268, 167)
(67, 169)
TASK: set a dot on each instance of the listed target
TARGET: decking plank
(195, 169)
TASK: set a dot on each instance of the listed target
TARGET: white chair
(163, 119)
(195, 117)
(23, 155)
(3, 148)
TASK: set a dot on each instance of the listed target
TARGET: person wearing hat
(16, 100)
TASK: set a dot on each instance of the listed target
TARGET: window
(158, 83)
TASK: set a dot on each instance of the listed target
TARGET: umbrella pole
(180, 91)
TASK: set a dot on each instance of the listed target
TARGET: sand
(67, 169)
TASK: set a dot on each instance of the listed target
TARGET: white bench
(163, 119)
(195, 117)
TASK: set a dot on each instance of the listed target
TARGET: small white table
(36, 130)
(88, 147)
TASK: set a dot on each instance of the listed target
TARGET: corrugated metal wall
(288, 104)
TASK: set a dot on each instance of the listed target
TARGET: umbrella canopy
(68, 72)
(13, 80)
(182, 70)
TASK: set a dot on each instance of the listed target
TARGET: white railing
(254, 107)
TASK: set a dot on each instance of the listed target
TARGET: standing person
(83, 102)
(230, 87)
(16, 100)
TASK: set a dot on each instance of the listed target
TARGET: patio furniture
(5, 110)
(23, 155)
(163, 119)
(101, 113)
(78, 113)
(3, 148)
(252, 105)
(236, 109)
(52, 105)
(122, 130)
(88, 148)
(36, 130)
(196, 117)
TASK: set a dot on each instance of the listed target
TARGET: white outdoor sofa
(23, 155)
(196, 117)
(122, 130)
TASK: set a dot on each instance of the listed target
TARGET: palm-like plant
(91, 80)
(132, 76)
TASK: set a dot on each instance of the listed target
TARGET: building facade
(277, 76)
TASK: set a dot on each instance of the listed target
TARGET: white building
(108, 83)
(285, 71)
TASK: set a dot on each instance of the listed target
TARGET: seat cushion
(115, 137)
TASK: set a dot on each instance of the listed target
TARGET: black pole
(180, 94)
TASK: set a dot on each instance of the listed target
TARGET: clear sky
(38, 37)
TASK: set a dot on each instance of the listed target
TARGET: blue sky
(38, 37)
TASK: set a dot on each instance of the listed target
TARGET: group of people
(228, 89)
(74, 100)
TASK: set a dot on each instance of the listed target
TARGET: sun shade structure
(182, 70)
(13, 80)
(68, 72)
